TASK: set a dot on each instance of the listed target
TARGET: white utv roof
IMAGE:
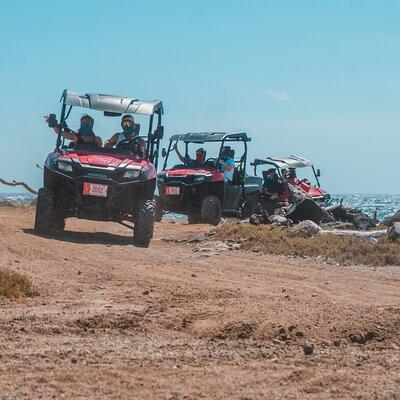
(111, 103)
(285, 162)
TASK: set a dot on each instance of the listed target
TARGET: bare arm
(112, 141)
(180, 156)
(70, 135)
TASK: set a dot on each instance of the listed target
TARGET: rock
(306, 229)
(393, 233)
(308, 348)
(361, 235)
(389, 221)
(337, 225)
(308, 209)
(12, 203)
(279, 220)
(146, 292)
(259, 219)
(356, 217)
(363, 221)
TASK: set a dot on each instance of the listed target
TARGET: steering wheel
(131, 144)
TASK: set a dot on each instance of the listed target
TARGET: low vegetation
(14, 285)
(345, 250)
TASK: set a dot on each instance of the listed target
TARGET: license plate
(172, 191)
(94, 189)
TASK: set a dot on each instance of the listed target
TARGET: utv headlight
(132, 174)
(64, 166)
(199, 178)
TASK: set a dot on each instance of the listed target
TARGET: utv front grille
(188, 179)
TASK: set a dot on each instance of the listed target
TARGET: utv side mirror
(164, 152)
(318, 172)
(159, 132)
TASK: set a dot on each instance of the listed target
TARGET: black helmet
(127, 117)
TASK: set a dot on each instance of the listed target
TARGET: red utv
(199, 189)
(290, 166)
(102, 184)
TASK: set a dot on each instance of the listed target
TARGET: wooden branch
(16, 183)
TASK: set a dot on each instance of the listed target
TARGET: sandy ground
(190, 320)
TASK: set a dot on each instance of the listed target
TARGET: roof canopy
(111, 103)
(284, 162)
(202, 137)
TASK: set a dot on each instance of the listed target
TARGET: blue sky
(318, 79)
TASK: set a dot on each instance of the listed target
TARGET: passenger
(129, 131)
(272, 185)
(291, 177)
(85, 134)
(200, 156)
(227, 162)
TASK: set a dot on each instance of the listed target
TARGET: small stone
(308, 348)
(79, 272)
(146, 292)
(193, 275)
(306, 228)
(74, 360)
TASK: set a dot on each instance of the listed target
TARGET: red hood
(190, 171)
(183, 172)
(109, 161)
(313, 191)
(316, 192)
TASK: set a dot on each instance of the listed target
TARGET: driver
(129, 131)
(200, 156)
(85, 134)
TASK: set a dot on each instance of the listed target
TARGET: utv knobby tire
(211, 210)
(144, 224)
(194, 217)
(58, 223)
(44, 211)
(158, 209)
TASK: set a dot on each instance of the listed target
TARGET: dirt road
(186, 320)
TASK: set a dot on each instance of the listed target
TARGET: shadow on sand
(85, 237)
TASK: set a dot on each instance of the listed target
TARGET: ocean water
(25, 198)
(383, 204)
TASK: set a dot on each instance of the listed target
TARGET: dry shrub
(274, 240)
(14, 285)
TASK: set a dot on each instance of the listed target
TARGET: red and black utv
(86, 181)
(287, 169)
(200, 190)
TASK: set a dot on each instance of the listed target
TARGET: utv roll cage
(115, 106)
(208, 137)
(291, 162)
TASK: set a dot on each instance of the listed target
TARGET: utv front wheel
(211, 210)
(44, 211)
(58, 223)
(144, 225)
